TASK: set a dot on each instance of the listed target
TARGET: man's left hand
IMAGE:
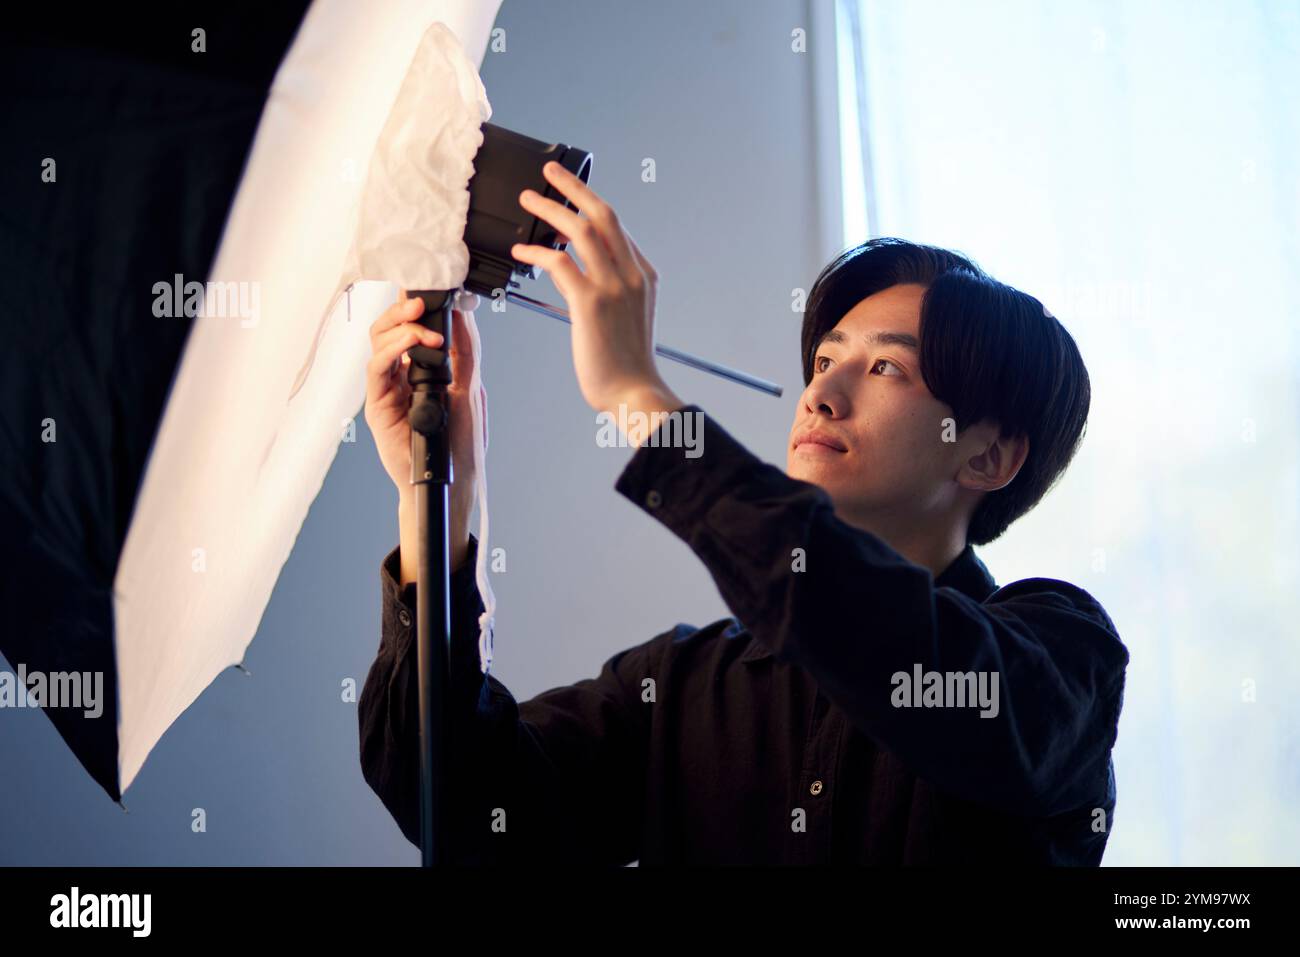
(611, 304)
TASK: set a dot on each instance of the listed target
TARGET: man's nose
(825, 397)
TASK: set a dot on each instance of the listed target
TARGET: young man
(876, 698)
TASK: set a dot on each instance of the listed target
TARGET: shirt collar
(966, 574)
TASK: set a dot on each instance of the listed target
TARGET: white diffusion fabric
(254, 418)
(416, 197)
(469, 302)
(415, 202)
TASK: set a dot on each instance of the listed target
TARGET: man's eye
(818, 367)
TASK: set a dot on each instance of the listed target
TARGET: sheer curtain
(1134, 165)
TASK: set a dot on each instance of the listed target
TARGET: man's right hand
(388, 398)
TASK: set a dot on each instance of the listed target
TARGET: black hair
(989, 351)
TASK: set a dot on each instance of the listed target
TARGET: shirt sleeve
(842, 604)
(560, 774)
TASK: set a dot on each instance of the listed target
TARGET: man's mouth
(815, 440)
(816, 448)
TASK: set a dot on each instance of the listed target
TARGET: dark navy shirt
(786, 734)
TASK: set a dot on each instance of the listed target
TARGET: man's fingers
(566, 275)
(584, 234)
(395, 333)
(597, 211)
(380, 366)
(399, 312)
(426, 336)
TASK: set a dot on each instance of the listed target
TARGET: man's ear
(996, 461)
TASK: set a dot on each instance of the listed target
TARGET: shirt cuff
(399, 626)
(678, 484)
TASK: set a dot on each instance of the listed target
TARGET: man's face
(868, 396)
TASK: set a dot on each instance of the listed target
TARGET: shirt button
(404, 617)
(653, 499)
(816, 788)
